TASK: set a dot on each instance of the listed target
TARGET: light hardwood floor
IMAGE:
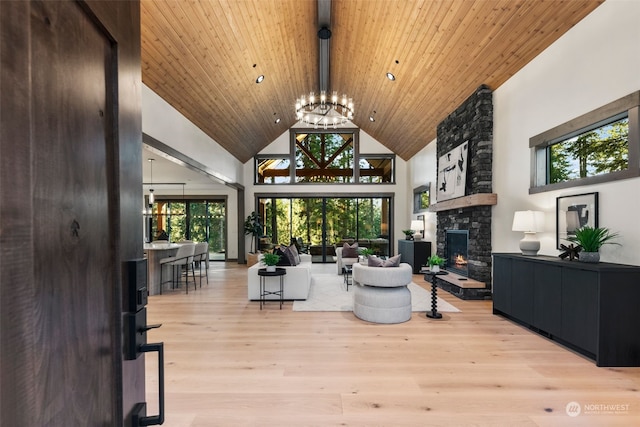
(229, 364)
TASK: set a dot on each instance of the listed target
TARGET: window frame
(539, 143)
(377, 156)
(260, 157)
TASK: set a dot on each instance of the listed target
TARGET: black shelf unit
(414, 252)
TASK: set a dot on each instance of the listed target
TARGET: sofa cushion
(394, 261)
(374, 261)
(284, 258)
(294, 251)
(350, 251)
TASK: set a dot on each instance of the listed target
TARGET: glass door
(319, 225)
(200, 221)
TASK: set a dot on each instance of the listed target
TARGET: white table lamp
(530, 222)
(417, 226)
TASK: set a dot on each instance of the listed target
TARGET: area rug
(329, 293)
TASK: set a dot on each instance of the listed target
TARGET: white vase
(271, 268)
(435, 268)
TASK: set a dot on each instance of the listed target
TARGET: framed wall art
(452, 173)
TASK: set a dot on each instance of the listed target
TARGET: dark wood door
(61, 297)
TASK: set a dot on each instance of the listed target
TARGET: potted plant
(435, 262)
(366, 252)
(591, 240)
(270, 260)
(408, 234)
(253, 227)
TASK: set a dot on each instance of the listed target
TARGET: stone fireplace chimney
(472, 122)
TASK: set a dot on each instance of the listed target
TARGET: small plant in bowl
(435, 262)
(270, 260)
(408, 234)
(591, 240)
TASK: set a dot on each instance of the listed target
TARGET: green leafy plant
(591, 239)
(366, 252)
(435, 260)
(270, 259)
(408, 232)
(253, 227)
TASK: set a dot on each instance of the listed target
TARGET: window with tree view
(324, 157)
(601, 150)
(601, 145)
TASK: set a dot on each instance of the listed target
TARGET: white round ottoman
(381, 294)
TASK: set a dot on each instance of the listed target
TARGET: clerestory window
(323, 156)
(600, 146)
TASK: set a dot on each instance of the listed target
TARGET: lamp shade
(528, 221)
(417, 225)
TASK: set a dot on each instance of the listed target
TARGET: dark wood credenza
(593, 309)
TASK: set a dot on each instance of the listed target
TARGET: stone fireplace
(469, 216)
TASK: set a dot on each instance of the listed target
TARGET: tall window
(320, 224)
(197, 220)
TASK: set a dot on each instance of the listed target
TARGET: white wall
(402, 189)
(422, 170)
(164, 123)
(593, 64)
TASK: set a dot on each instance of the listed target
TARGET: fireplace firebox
(456, 251)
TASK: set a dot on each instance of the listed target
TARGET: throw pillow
(374, 261)
(350, 251)
(294, 252)
(284, 259)
(394, 261)
(289, 255)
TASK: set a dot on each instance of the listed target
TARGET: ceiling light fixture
(391, 77)
(320, 111)
(324, 111)
(151, 199)
(260, 78)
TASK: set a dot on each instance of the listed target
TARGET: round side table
(263, 273)
(433, 314)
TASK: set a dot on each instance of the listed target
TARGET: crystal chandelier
(322, 112)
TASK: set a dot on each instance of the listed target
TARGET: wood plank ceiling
(203, 58)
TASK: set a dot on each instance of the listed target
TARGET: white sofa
(297, 281)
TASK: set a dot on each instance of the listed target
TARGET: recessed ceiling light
(391, 77)
(277, 120)
(260, 78)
